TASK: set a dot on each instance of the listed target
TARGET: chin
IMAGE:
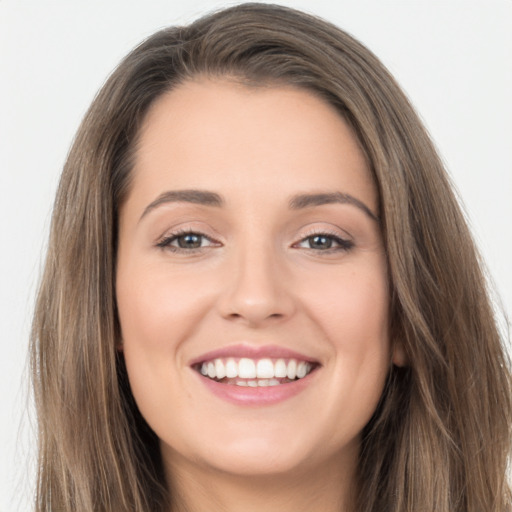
(260, 455)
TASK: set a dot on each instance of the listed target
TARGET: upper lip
(252, 352)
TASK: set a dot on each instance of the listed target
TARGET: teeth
(211, 370)
(291, 372)
(231, 369)
(266, 370)
(220, 369)
(246, 368)
(259, 383)
(301, 370)
(280, 369)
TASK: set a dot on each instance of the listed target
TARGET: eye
(325, 242)
(186, 241)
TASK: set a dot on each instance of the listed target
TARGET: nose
(256, 289)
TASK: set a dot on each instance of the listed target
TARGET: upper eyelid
(334, 232)
(343, 243)
(315, 231)
(186, 229)
(167, 242)
(304, 233)
(178, 234)
(306, 229)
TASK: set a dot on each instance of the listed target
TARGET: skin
(256, 280)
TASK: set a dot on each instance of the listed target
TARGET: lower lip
(257, 396)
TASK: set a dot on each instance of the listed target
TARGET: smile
(248, 375)
(255, 372)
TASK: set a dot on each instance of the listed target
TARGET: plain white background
(453, 58)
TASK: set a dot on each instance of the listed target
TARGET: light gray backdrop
(453, 58)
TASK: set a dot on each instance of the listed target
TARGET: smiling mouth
(255, 372)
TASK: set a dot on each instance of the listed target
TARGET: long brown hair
(440, 438)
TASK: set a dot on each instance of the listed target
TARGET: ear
(399, 356)
(120, 346)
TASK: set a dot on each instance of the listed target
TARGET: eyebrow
(202, 197)
(297, 202)
(308, 200)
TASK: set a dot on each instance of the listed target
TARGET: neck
(328, 488)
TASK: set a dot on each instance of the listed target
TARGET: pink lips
(254, 396)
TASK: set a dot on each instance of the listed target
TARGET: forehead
(223, 136)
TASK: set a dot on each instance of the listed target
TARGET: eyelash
(342, 243)
(166, 242)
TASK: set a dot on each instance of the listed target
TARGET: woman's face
(249, 251)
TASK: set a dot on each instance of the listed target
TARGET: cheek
(352, 312)
(156, 309)
(157, 313)
(352, 308)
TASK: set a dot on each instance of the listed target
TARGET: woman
(260, 292)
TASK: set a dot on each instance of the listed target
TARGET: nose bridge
(256, 289)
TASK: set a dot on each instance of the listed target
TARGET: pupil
(321, 242)
(189, 241)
